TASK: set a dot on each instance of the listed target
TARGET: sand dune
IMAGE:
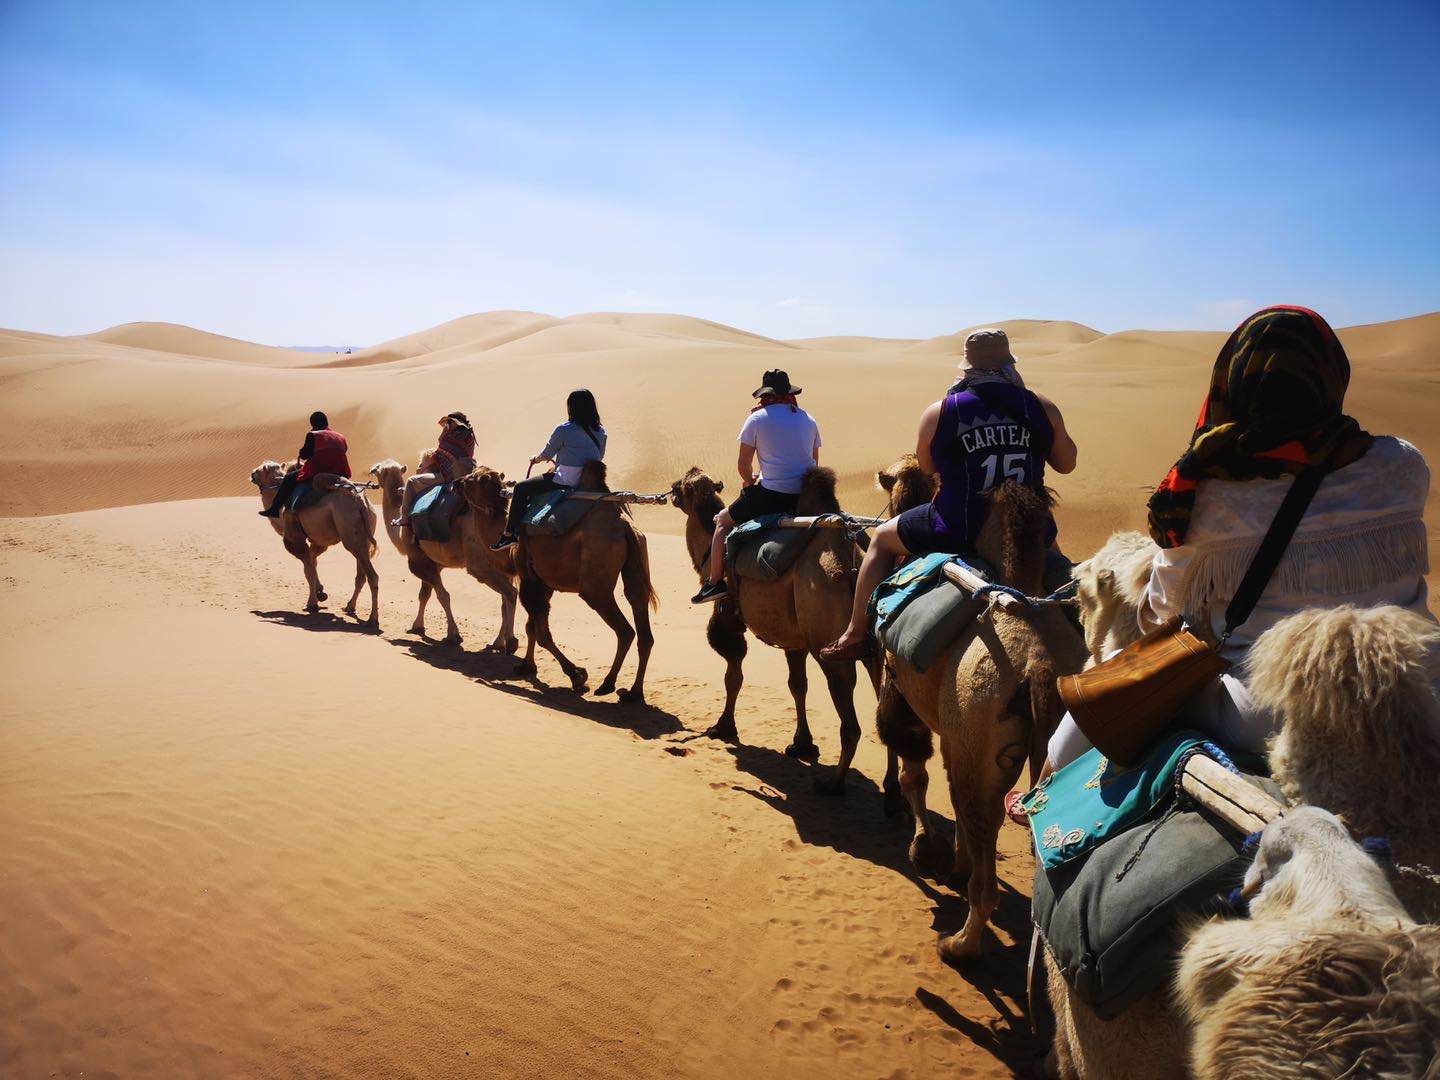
(243, 841)
(150, 412)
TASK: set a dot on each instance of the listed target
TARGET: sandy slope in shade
(241, 841)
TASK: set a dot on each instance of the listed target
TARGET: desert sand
(243, 841)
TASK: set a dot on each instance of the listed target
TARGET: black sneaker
(506, 539)
(710, 592)
(270, 513)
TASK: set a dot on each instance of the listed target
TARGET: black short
(918, 531)
(759, 501)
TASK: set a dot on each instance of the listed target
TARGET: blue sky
(301, 172)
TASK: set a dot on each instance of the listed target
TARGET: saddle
(1123, 861)
(305, 495)
(433, 515)
(554, 513)
(758, 549)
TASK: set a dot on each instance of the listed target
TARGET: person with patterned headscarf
(1274, 409)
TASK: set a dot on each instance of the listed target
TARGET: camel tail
(1046, 709)
(369, 512)
(636, 571)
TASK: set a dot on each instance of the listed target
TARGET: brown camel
(800, 613)
(603, 548)
(341, 517)
(991, 698)
(467, 549)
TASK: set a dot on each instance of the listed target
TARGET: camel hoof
(349, 609)
(512, 646)
(803, 751)
(895, 804)
(633, 696)
(417, 628)
(526, 669)
(373, 623)
(453, 639)
(322, 594)
(606, 687)
(313, 609)
(955, 950)
(578, 678)
(832, 786)
(928, 858)
(724, 731)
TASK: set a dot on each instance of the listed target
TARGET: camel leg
(418, 626)
(841, 678)
(604, 605)
(802, 746)
(906, 738)
(315, 553)
(359, 548)
(981, 772)
(505, 640)
(429, 573)
(312, 579)
(726, 634)
(535, 596)
(927, 854)
(637, 591)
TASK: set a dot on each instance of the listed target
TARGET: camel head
(906, 484)
(390, 473)
(1308, 862)
(696, 492)
(817, 492)
(1109, 586)
(485, 490)
(268, 474)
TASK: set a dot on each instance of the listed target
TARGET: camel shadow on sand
(497, 671)
(318, 621)
(856, 826)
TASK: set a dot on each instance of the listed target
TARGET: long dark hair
(582, 410)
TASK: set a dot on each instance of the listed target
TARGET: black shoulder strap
(1267, 557)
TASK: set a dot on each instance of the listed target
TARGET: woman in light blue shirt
(572, 446)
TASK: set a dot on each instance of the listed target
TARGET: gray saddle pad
(555, 514)
(931, 623)
(434, 514)
(771, 554)
(1116, 940)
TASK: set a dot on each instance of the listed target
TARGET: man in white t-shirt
(786, 440)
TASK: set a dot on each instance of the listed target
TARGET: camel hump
(817, 492)
(593, 477)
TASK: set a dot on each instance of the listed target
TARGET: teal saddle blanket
(1079, 807)
(555, 513)
(917, 612)
(434, 513)
(759, 549)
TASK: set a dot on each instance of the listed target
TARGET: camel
(1329, 976)
(1361, 730)
(342, 516)
(467, 549)
(1109, 587)
(603, 548)
(800, 614)
(991, 698)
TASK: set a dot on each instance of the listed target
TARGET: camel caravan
(1230, 722)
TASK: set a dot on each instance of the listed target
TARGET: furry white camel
(1328, 977)
(1109, 586)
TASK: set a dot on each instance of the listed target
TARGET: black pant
(525, 490)
(284, 491)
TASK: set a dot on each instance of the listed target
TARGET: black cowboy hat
(775, 382)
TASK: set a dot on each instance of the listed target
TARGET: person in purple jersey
(987, 429)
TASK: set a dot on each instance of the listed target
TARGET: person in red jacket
(324, 451)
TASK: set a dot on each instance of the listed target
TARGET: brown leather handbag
(1123, 704)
